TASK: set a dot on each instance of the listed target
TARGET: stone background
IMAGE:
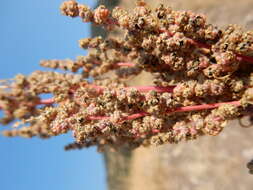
(209, 163)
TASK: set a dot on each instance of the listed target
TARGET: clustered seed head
(202, 78)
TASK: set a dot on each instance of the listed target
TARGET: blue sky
(32, 30)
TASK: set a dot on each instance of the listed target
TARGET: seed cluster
(202, 78)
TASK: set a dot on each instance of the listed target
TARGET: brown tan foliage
(202, 79)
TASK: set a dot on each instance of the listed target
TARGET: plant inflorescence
(202, 78)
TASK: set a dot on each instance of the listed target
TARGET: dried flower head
(202, 79)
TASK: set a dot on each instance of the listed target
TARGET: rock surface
(209, 163)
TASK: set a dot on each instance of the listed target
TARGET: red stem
(100, 90)
(130, 117)
(46, 101)
(207, 46)
(155, 88)
(120, 64)
(125, 64)
(238, 56)
(180, 109)
(139, 88)
(198, 44)
(203, 107)
(244, 58)
(142, 114)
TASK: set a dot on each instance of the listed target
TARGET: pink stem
(140, 88)
(181, 109)
(125, 64)
(136, 115)
(200, 45)
(128, 64)
(146, 89)
(155, 131)
(155, 88)
(207, 46)
(238, 56)
(169, 33)
(46, 101)
(244, 58)
(203, 107)
(100, 90)
(130, 117)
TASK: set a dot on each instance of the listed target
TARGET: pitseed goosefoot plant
(202, 78)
